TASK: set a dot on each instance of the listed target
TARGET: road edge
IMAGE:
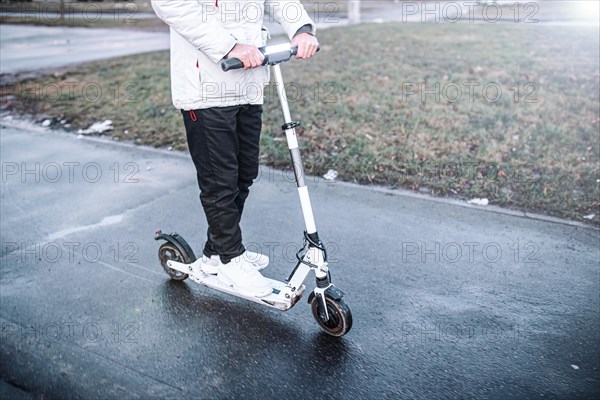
(28, 125)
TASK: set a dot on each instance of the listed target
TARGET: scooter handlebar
(273, 55)
(231, 63)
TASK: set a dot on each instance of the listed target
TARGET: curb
(23, 124)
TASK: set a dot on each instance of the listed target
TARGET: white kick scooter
(328, 308)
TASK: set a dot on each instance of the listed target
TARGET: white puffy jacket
(204, 31)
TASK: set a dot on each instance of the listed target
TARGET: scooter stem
(290, 132)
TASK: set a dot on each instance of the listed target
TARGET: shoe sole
(226, 281)
(207, 269)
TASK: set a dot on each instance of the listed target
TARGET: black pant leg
(214, 147)
(249, 125)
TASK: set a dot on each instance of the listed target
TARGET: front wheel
(168, 251)
(340, 317)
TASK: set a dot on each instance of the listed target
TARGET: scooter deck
(275, 300)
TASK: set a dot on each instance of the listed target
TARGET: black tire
(340, 317)
(169, 251)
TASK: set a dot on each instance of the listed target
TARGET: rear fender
(178, 241)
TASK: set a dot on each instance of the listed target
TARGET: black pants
(224, 145)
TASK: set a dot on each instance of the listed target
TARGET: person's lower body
(224, 145)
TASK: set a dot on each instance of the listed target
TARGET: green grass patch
(364, 114)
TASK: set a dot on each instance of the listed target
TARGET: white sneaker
(197, 266)
(244, 277)
(260, 261)
(210, 265)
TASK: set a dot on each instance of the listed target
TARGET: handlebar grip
(294, 51)
(231, 63)
(235, 63)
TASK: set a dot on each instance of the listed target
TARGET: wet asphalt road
(30, 48)
(449, 302)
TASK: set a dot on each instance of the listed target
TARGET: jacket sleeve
(290, 14)
(197, 21)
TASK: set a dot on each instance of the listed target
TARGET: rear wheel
(340, 317)
(169, 251)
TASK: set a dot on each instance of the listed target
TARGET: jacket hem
(208, 104)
